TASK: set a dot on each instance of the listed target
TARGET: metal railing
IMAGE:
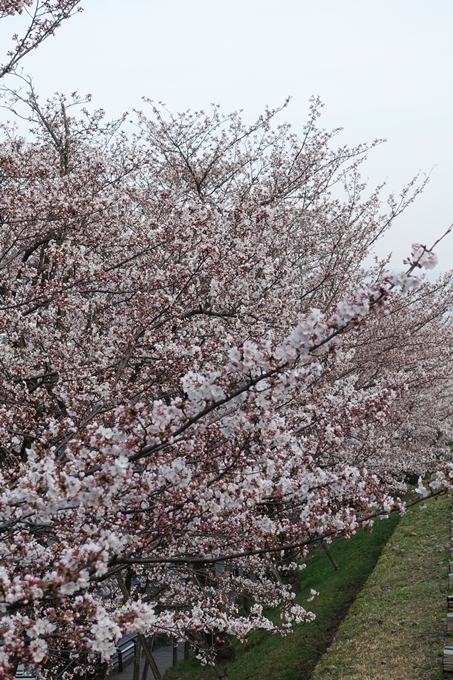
(23, 672)
(124, 651)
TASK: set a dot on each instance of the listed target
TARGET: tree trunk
(147, 649)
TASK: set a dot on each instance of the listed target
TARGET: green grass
(396, 627)
(272, 657)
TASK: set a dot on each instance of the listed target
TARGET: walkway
(163, 657)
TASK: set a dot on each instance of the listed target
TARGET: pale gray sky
(382, 67)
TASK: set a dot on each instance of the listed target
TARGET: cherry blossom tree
(199, 377)
(43, 18)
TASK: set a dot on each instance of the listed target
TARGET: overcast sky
(382, 67)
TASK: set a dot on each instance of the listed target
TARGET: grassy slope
(396, 627)
(271, 657)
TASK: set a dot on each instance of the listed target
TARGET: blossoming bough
(45, 16)
(199, 380)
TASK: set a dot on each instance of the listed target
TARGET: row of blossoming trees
(199, 378)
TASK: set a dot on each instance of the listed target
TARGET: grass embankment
(396, 627)
(272, 657)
